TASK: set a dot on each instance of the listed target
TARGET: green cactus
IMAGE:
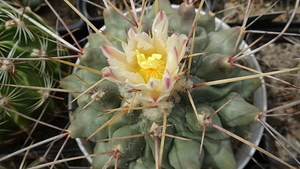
(20, 41)
(139, 152)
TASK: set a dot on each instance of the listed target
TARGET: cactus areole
(160, 119)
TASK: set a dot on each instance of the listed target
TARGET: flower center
(150, 66)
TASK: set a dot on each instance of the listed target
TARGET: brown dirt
(277, 57)
(236, 14)
(64, 11)
(93, 10)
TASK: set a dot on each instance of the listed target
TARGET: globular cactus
(23, 45)
(163, 101)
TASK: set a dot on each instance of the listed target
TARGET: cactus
(154, 91)
(144, 69)
(22, 44)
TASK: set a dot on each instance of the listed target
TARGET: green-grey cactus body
(20, 41)
(183, 121)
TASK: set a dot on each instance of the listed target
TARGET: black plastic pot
(80, 26)
(269, 26)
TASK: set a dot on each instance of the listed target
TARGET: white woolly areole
(13, 22)
(201, 117)
(39, 53)
(183, 85)
(4, 101)
(118, 147)
(135, 102)
(44, 93)
(6, 65)
(124, 91)
(98, 95)
(156, 131)
(155, 114)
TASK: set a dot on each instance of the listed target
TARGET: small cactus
(22, 48)
(163, 101)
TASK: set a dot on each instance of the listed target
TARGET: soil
(64, 11)
(277, 57)
(236, 12)
(95, 11)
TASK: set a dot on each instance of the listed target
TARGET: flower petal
(112, 52)
(160, 32)
(160, 26)
(119, 76)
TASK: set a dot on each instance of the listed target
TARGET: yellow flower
(148, 64)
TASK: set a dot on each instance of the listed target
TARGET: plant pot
(80, 26)
(244, 152)
(93, 13)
